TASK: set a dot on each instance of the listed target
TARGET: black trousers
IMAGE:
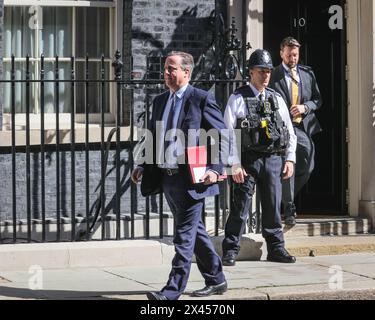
(266, 172)
(304, 167)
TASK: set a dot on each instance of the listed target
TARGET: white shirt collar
(180, 92)
(256, 92)
(287, 69)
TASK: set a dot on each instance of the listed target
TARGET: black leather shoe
(290, 221)
(152, 295)
(280, 255)
(210, 290)
(229, 259)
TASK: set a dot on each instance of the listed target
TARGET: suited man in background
(183, 107)
(297, 85)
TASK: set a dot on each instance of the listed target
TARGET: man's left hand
(297, 110)
(209, 177)
(288, 170)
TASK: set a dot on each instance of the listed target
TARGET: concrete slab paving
(320, 291)
(3, 279)
(288, 274)
(159, 274)
(309, 278)
(354, 258)
(63, 275)
(70, 289)
(365, 270)
(233, 284)
(259, 264)
(240, 294)
(307, 275)
(99, 288)
(246, 283)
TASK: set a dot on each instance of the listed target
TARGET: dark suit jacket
(198, 111)
(310, 95)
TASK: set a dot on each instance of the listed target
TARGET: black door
(324, 50)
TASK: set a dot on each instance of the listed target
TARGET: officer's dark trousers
(266, 172)
(304, 166)
(190, 238)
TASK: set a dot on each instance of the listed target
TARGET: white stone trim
(361, 152)
(255, 24)
(254, 9)
(354, 101)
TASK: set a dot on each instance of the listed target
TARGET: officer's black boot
(229, 259)
(280, 255)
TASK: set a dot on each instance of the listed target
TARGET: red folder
(197, 161)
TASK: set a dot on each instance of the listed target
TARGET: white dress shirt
(169, 160)
(236, 108)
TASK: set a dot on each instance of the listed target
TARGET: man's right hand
(238, 174)
(137, 174)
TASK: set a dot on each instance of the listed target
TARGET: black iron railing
(105, 206)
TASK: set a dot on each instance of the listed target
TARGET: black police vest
(263, 129)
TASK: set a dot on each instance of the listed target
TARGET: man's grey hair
(187, 61)
(289, 42)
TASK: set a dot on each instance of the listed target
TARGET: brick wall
(160, 26)
(65, 184)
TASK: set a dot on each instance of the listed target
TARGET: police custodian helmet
(260, 59)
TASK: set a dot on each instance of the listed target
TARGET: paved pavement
(350, 276)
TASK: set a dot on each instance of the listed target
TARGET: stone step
(254, 248)
(330, 245)
(325, 226)
(305, 227)
(316, 226)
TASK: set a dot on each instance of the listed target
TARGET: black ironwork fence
(113, 209)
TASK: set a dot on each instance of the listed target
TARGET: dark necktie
(169, 124)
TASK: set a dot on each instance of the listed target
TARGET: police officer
(267, 156)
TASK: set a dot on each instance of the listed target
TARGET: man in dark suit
(181, 109)
(297, 85)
